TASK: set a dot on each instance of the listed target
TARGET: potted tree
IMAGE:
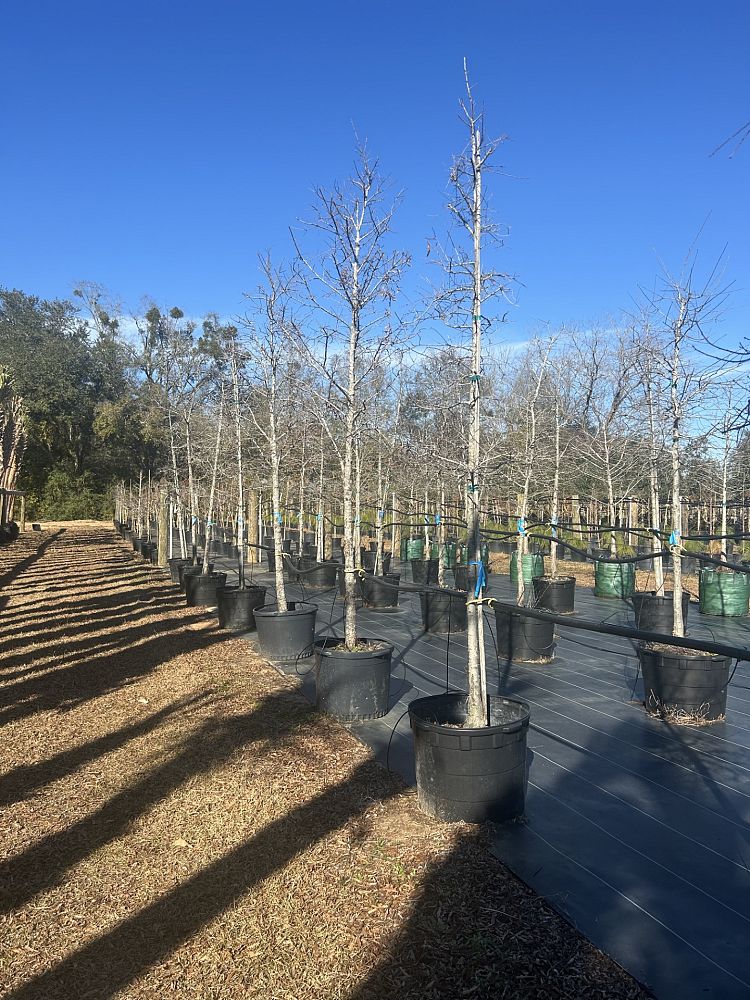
(351, 280)
(555, 591)
(470, 748)
(654, 609)
(603, 359)
(519, 637)
(286, 629)
(236, 604)
(683, 685)
(202, 585)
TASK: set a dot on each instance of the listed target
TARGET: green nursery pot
(614, 579)
(532, 565)
(415, 548)
(724, 594)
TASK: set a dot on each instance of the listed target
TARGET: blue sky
(157, 147)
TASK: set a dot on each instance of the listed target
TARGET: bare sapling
(234, 368)
(270, 346)
(685, 308)
(351, 282)
(459, 304)
(206, 569)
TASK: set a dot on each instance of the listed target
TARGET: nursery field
(635, 828)
(177, 820)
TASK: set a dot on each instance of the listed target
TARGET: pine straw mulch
(177, 821)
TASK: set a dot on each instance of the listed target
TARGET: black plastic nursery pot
(556, 594)
(424, 571)
(523, 639)
(368, 561)
(444, 610)
(237, 607)
(470, 775)
(174, 565)
(190, 569)
(465, 577)
(318, 576)
(352, 685)
(202, 589)
(291, 567)
(381, 591)
(286, 636)
(656, 614)
(145, 548)
(341, 571)
(684, 686)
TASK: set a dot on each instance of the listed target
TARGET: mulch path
(176, 820)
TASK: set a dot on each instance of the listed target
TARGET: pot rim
(338, 650)
(272, 610)
(511, 726)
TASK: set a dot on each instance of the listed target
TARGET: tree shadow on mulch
(21, 782)
(117, 609)
(117, 666)
(25, 564)
(118, 957)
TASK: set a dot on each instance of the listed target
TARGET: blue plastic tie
(279, 518)
(521, 524)
(481, 576)
(674, 538)
(437, 519)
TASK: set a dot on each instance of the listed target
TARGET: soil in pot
(555, 593)
(444, 610)
(381, 591)
(470, 775)
(656, 614)
(286, 636)
(522, 639)
(352, 685)
(684, 686)
(237, 607)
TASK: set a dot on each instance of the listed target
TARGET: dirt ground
(176, 821)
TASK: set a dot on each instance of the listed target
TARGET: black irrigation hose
(721, 649)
